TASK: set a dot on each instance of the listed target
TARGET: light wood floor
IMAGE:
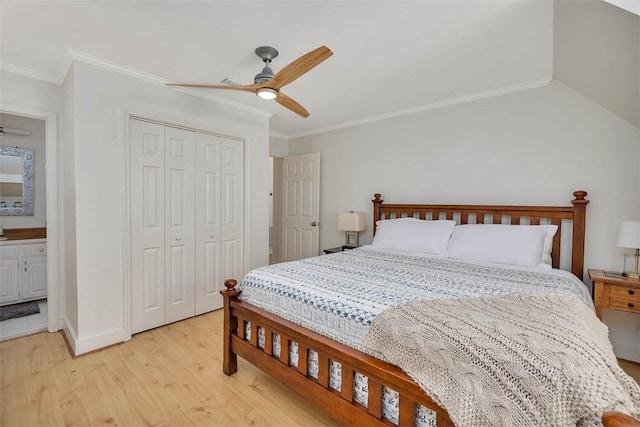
(169, 376)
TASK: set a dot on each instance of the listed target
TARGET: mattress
(339, 295)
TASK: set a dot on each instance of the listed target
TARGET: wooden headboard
(494, 214)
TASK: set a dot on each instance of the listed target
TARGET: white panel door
(301, 206)
(179, 224)
(232, 212)
(147, 225)
(208, 224)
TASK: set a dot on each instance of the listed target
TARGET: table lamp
(629, 237)
(352, 223)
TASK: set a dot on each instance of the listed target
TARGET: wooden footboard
(339, 404)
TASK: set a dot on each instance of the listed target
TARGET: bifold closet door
(219, 217)
(147, 218)
(179, 224)
(232, 209)
(187, 198)
(162, 225)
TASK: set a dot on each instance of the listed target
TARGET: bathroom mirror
(16, 181)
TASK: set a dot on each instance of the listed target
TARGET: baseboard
(626, 351)
(97, 342)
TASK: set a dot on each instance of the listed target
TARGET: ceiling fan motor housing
(267, 54)
(264, 75)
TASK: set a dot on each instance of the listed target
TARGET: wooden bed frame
(340, 405)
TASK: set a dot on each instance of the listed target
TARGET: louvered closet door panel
(209, 276)
(179, 224)
(232, 208)
(147, 225)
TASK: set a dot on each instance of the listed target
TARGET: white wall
(596, 50)
(36, 142)
(101, 98)
(278, 147)
(27, 92)
(533, 148)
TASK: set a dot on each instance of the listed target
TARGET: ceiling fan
(267, 85)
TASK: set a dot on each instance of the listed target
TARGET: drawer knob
(630, 305)
(631, 292)
(42, 250)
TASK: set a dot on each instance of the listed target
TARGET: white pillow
(413, 235)
(521, 245)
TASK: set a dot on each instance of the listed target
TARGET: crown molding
(77, 55)
(29, 72)
(532, 84)
(87, 58)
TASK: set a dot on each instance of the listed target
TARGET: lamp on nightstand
(353, 223)
(629, 237)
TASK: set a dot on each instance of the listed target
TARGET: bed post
(579, 223)
(377, 201)
(229, 358)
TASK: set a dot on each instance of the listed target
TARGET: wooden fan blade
(247, 88)
(300, 66)
(292, 105)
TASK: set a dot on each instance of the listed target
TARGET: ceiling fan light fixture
(267, 93)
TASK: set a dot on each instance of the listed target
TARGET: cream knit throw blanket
(517, 360)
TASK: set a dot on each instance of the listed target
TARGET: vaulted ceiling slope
(389, 56)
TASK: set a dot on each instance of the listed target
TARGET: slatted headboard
(494, 214)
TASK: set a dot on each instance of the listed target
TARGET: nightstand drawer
(625, 304)
(624, 292)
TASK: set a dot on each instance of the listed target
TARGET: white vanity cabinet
(23, 270)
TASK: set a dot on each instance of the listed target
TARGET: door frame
(55, 249)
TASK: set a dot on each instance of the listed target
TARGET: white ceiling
(389, 56)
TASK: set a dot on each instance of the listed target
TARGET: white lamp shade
(629, 235)
(351, 221)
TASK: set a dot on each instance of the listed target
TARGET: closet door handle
(212, 235)
(178, 238)
(25, 266)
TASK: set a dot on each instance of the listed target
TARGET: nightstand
(336, 249)
(612, 291)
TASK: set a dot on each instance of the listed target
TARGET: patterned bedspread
(339, 295)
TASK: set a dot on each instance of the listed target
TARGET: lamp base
(351, 239)
(631, 266)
